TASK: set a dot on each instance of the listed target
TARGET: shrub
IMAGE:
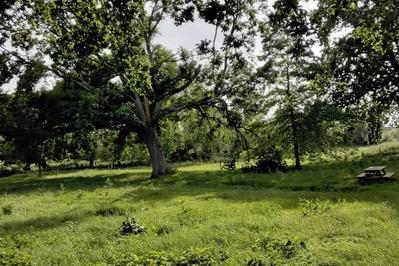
(316, 206)
(255, 262)
(267, 161)
(282, 249)
(164, 229)
(229, 164)
(131, 226)
(7, 171)
(7, 209)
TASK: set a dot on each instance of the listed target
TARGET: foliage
(361, 65)
(283, 249)
(200, 257)
(110, 211)
(357, 134)
(7, 209)
(204, 207)
(255, 262)
(12, 253)
(301, 122)
(267, 159)
(29, 119)
(7, 170)
(131, 226)
(316, 206)
(193, 137)
(229, 165)
(135, 82)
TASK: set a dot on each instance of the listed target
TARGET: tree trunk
(91, 160)
(297, 154)
(157, 157)
(292, 117)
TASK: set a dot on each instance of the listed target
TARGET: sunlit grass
(318, 216)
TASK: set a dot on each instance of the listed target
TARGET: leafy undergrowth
(203, 216)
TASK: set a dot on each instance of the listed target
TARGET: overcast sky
(190, 34)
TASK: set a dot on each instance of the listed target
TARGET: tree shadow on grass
(40, 223)
(164, 193)
(335, 176)
(330, 180)
(72, 183)
(334, 179)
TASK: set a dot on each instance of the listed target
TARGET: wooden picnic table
(375, 173)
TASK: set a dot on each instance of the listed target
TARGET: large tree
(361, 42)
(91, 43)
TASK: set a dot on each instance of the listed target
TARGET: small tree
(288, 69)
(301, 121)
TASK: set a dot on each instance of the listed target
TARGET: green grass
(317, 216)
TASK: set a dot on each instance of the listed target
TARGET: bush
(316, 206)
(131, 226)
(7, 171)
(164, 229)
(282, 249)
(7, 209)
(255, 262)
(267, 161)
(229, 165)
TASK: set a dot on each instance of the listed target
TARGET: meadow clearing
(202, 215)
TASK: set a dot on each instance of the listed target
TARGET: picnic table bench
(375, 174)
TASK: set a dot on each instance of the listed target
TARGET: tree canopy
(113, 79)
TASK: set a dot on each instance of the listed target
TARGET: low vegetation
(204, 216)
(240, 147)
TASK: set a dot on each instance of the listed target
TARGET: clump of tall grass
(7, 209)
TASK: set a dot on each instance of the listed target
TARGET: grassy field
(317, 216)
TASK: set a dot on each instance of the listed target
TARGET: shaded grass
(317, 216)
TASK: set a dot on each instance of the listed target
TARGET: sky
(190, 34)
(173, 37)
(187, 35)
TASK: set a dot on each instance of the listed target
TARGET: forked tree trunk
(158, 163)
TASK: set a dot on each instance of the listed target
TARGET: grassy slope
(249, 216)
